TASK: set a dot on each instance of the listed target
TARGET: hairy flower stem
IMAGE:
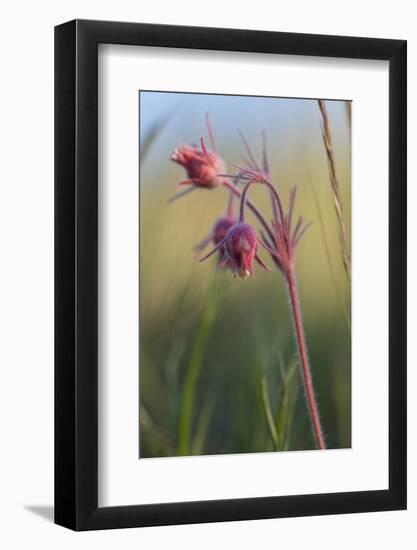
(243, 201)
(250, 205)
(305, 365)
(229, 210)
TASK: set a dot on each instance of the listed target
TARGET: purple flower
(202, 166)
(241, 245)
(240, 249)
(216, 236)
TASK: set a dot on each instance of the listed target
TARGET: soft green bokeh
(228, 335)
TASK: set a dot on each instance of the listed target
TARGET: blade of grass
(149, 426)
(293, 392)
(349, 113)
(153, 133)
(335, 187)
(202, 426)
(286, 414)
(171, 375)
(268, 414)
(191, 379)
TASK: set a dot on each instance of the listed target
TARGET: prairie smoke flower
(283, 241)
(282, 247)
(237, 243)
(241, 244)
(202, 166)
(221, 227)
(217, 235)
(286, 237)
(239, 247)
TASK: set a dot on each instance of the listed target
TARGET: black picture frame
(76, 272)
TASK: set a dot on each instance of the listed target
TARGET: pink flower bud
(241, 246)
(202, 166)
(220, 229)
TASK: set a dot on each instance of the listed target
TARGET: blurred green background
(218, 365)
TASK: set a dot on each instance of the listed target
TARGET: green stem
(268, 414)
(191, 379)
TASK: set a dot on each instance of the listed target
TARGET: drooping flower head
(218, 234)
(241, 245)
(237, 242)
(283, 240)
(202, 165)
(221, 227)
(239, 249)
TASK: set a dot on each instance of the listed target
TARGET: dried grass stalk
(335, 187)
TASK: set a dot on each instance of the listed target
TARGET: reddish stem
(243, 201)
(260, 217)
(229, 211)
(305, 366)
(274, 194)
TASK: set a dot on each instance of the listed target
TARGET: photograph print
(245, 274)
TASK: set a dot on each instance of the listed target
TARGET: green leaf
(191, 379)
(268, 414)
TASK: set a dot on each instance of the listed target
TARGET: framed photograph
(230, 253)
